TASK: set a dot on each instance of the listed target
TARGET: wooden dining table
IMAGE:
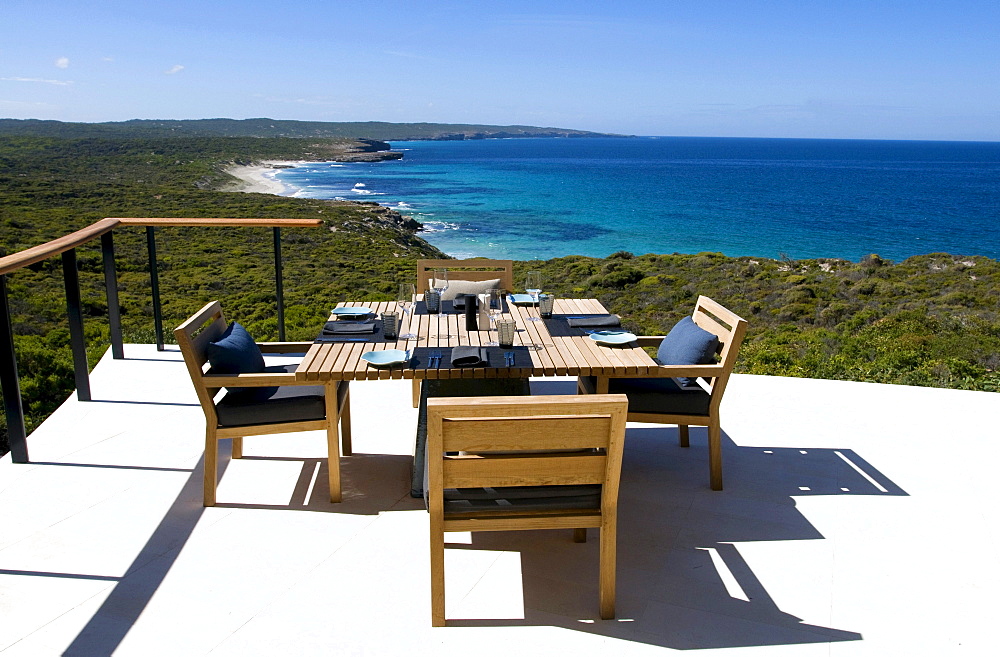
(548, 347)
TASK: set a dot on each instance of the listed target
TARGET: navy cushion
(236, 352)
(655, 395)
(288, 404)
(688, 344)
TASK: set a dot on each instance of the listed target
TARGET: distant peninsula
(271, 128)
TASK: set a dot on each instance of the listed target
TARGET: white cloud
(61, 83)
(62, 62)
(176, 68)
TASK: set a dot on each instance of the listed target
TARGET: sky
(866, 69)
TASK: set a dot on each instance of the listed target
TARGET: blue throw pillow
(236, 352)
(688, 344)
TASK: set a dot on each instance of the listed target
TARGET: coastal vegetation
(929, 320)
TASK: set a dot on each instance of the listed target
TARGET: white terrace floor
(857, 519)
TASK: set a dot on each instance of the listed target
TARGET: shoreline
(259, 178)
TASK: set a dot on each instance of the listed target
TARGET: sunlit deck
(857, 519)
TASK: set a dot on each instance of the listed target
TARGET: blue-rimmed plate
(386, 357)
(351, 312)
(612, 337)
(520, 299)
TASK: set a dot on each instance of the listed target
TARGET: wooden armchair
(545, 462)
(243, 412)
(665, 400)
(473, 270)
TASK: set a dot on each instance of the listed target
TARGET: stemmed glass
(533, 286)
(439, 282)
(494, 305)
(404, 299)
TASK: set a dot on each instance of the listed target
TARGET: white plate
(354, 311)
(520, 299)
(612, 337)
(386, 357)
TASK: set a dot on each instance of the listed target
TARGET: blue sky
(838, 69)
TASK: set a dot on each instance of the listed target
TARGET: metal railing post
(111, 286)
(81, 369)
(9, 384)
(279, 284)
(154, 286)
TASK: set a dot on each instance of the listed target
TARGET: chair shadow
(370, 484)
(682, 582)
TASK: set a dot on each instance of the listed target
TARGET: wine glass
(494, 306)
(404, 299)
(439, 282)
(533, 286)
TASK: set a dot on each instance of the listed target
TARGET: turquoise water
(543, 198)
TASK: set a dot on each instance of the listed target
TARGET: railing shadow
(682, 581)
(372, 483)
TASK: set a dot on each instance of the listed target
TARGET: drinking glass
(494, 306)
(506, 328)
(439, 281)
(404, 299)
(533, 286)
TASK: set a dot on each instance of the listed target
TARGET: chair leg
(238, 447)
(332, 443)
(211, 466)
(437, 575)
(609, 559)
(580, 535)
(682, 432)
(416, 393)
(715, 454)
(345, 426)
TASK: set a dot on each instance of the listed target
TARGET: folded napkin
(343, 328)
(597, 320)
(470, 357)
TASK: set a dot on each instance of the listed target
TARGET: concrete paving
(857, 519)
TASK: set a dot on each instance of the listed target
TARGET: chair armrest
(284, 347)
(252, 380)
(649, 340)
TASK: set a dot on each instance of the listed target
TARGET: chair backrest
(476, 269)
(525, 441)
(714, 317)
(193, 336)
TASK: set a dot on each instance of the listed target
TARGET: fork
(508, 358)
(435, 359)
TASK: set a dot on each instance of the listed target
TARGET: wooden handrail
(221, 221)
(59, 245)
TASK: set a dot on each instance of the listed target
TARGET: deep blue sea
(802, 198)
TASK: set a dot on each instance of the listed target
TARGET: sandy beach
(259, 178)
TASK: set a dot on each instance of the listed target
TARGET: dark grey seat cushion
(657, 395)
(288, 404)
(509, 498)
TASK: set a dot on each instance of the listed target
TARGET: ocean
(798, 198)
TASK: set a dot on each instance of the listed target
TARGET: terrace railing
(66, 248)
